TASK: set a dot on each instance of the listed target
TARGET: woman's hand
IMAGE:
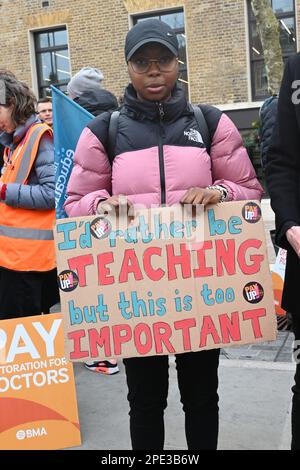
(293, 237)
(201, 196)
(117, 204)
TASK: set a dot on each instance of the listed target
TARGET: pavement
(254, 388)
(254, 407)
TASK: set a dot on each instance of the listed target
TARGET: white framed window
(52, 59)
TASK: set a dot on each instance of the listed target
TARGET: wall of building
(216, 33)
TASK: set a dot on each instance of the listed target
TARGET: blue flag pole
(69, 120)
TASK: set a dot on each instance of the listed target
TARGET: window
(52, 60)
(285, 13)
(175, 19)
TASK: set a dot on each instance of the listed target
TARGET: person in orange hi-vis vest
(27, 205)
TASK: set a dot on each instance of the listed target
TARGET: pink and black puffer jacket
(159, 155)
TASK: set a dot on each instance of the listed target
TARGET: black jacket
(97, 101)
(178, 116)
(268, 115)
(1, 155)
(283, 174)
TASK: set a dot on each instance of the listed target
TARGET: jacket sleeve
(268, 116)
(90, 180)
(283, 167)
(231, 166)
(39, 192)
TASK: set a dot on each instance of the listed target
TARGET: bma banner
(38, 407)
(166, 283)
(69, 120)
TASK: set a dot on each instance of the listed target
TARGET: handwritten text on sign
(154, 288)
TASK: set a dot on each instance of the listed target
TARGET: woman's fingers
(114, 203)
(193, 196)
(201, 196)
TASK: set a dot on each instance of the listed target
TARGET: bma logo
(29, 433)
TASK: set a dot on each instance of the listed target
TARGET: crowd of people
(154, 115)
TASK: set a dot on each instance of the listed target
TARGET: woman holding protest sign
(27, 258)
(162, 155)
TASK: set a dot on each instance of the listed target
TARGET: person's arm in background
(282, 169)
(39, 194)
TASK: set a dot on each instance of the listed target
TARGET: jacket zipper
(161, 154)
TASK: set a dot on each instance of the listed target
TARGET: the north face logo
(194, 135)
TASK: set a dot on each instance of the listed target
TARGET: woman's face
(155, 82)
(6, 122)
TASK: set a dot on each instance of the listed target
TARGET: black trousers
(147, 380)
(296, 388)
(24, 294)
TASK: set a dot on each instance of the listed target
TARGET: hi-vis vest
(26, 235)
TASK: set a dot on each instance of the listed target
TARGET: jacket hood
(149, 110)
(97, 101)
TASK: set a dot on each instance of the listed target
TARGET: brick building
(45, 41)
(216, 33)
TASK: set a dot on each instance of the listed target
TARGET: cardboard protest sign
(168, 283)
(38, 408)
(278, 274)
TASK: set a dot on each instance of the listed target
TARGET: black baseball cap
(146, 31)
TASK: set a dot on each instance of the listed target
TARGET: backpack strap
(112, 135)
(202, 125)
